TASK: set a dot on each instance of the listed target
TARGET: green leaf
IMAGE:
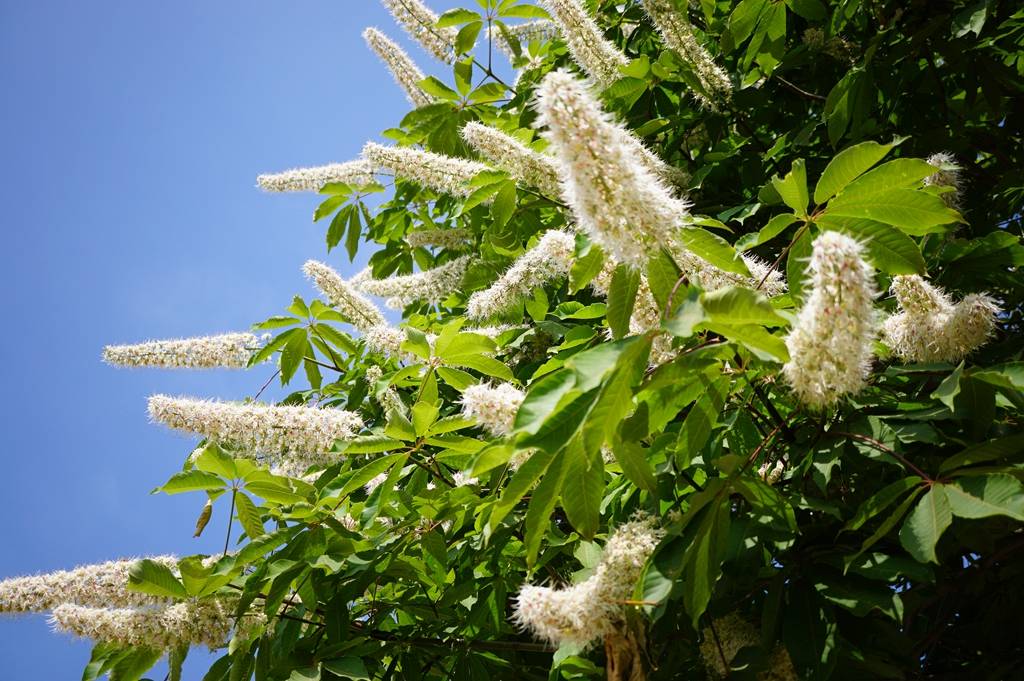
(737, 305)
(149, 577)
(846, 166)
(295, 351)
(454, 17)
(915, 212)
(456, 378)
(622, 298)
(689, 316)
(985, 451)
(812, 10)
(585, 268)
(701, 420)
(432, 86)
(889, 249)
(776, 226)
(949, 388)
(757, 339)
(702, 565)
(880, 501)
(583, 488)
(191, 481)
(714, 249)
(631, 457)
(888, 523)
(248, 516)
(925, 525)
(796, 262)
(793, 188)
(466, 39)
(347, 667)
(542, 504)
(901, 173)
(986, 496)
(521, 483)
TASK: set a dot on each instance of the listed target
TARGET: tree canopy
(709, 365)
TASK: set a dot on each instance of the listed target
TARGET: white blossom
(229, 350)
(100, 585)
(830, 346)
(357, 173)
(730, 634)
(582, 613)
(384, 338)
(678, 35)
(444, 174)
(455, 239)
(460, 479)
(931, 328)
(359, 311)
(595, 54)
(402, 67)
(771, 473)
(208, 622)
(525, 165)
(433, 285)
(616, 199)
(947, 175)
(539, 30)
(420, 22)
(493, 407)
(551, 258)
(294, 437)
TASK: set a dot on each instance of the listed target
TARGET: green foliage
(891, 545)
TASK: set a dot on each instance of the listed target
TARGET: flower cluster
(549, 259)
(947, 175)
(402, 67)
(539, 30)
(931, 328)
(444, 174)
(357, 173)
(229, 350)
(678, 35)
(207, 622)
(730, 634)
(493, 407)
(432, 285)
(384, 338)
(100, 585)
(451, 239)
(598, 57)
(616, 199)
(580, 614)
(359, 311)
(525, 165)
(830, 346)
(294, 436)
(420, 22)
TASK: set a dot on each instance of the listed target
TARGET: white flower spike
(616, 199)
(931, 328)
(420, 22)
(230, 350)
(830, 346)
(550, 259)
(401, 65)
(355, 173)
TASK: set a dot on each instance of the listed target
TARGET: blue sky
(131, 136)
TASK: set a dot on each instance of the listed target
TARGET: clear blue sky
(131, 136)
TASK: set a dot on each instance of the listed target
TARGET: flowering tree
(702, 370)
